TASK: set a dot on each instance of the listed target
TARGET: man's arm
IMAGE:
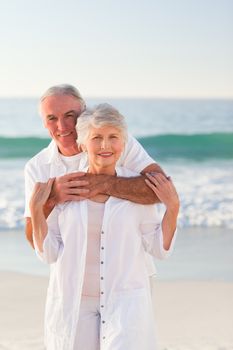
(134, 189)
(69, 187)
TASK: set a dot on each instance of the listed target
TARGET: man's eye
(51, 118)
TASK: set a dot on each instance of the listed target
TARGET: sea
(192, 139)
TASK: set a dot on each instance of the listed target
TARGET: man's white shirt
(50, 163)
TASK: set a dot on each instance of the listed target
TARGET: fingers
(77, 191)
(160, 184)
(50, 183)
(75, 198)
(70, 177)
(76, 183)
(157, 178)
(152, 186)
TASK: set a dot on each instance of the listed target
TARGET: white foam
(205, 189)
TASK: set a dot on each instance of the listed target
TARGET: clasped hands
(80, 185)
(76, 186)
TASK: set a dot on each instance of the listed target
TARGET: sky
(118, 48)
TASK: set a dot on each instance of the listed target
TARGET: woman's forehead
(105, 129)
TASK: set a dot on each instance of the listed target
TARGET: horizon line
(133, 97)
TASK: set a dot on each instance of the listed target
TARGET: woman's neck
(102, 170)
(102, 198)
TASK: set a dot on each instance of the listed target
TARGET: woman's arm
(165, 190)
(39, 197)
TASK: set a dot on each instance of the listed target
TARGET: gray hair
(64, 89)
(97, 117)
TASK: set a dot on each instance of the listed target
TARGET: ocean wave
(193, 147)
(205, 190)
(21, 147)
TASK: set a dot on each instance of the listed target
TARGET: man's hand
(68, 188)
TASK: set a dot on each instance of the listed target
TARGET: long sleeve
(30, 181)
(152, 235)
(53, 244)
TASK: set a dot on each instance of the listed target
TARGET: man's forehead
(60, 104)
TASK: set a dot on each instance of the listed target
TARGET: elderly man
(60, 107)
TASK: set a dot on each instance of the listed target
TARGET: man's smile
(65, 134)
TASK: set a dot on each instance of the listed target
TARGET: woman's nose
(104, 144)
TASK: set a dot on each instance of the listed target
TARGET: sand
(190, 315)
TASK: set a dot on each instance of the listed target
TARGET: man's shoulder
(131, 140)
(42, 157)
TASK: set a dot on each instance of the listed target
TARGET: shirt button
(102, 247)
(102, 292)
(102, 232)
(102, 262)
(103, 321)
(104, 337)
(102, 306)
(102, 278)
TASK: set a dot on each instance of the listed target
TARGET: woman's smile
(105, 154)
(104, 147)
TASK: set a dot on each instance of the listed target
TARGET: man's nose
(61, 124)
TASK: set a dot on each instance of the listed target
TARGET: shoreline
(190, 315)
(200, 254)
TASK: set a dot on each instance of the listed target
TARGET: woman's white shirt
(128, 231)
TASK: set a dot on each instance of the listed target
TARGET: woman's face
(104, 147)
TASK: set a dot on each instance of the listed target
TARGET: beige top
(91, 283)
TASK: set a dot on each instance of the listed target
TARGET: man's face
(60, 113)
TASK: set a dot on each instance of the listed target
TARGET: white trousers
(88, 328)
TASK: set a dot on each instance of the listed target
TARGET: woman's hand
(164, 188)
(41, 193)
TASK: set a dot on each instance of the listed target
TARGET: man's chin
(64, 147)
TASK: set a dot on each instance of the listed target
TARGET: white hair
(64, 89)
(97, 117)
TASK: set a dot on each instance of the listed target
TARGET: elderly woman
(99, 293)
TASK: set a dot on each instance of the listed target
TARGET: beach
(193, 292)
(190, 315)
(193, 311)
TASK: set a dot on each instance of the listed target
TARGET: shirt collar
(53, 153)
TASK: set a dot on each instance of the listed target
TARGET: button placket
(102, 284)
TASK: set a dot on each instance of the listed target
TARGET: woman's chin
(108, 169)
